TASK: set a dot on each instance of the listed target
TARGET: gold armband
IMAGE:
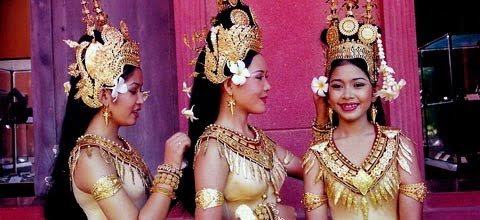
(162, 190)
(106, 187)
(312, 201)
(417, 191)
(209, 198)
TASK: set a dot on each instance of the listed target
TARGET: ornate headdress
(101, 65)
(229, 46)
(348, 39)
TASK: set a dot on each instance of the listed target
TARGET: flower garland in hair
(390, 88)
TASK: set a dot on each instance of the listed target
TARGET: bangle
(162, 190)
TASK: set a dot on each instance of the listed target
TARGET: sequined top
(366, 192)
(256, 173)
(129, 166)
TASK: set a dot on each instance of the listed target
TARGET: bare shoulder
(91, 164)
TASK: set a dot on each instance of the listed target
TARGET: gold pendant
(362, 181)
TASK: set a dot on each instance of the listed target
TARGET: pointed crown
(101, 65)
(349, 39)
(230, 41)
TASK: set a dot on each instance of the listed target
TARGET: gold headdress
(230, 45)
(348, 39)
(101, 65)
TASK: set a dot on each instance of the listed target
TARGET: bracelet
(162, 190)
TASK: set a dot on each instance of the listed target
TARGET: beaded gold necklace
(113, 152)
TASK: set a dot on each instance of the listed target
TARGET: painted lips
(349, 107)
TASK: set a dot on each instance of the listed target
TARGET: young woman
(358, 167)
(97, 174)
(238, 169)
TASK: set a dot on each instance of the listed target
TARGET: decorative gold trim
(312, 201)
(416, 191)
(106, 187)
(209, 198)
(113, 153)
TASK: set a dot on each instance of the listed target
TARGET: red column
(400, 42)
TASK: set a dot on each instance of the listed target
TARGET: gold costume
(131, 172)
(256, 173)
(367, 192)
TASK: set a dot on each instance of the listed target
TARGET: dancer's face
(350, 93)
(251, 97)
(126, 109)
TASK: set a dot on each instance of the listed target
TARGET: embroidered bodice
(256, 173)
(366, 192)
(129, 166)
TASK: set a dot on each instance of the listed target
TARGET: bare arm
(211, 172)
(90, 168)
(157, 206)
(291, 162)
(409, 208)
(314, 186)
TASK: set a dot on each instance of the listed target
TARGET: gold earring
(106, 114)
(373, 113)
(231, 104)
(330, 115)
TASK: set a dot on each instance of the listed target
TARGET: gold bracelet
(106, 187)
(167, 179)
(416, 191)
(312, 201)
(162, 190)
(209, 198)
(167, 168)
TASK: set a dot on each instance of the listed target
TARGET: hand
(175, 146)
(321, 109)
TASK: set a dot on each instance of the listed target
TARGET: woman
(357, 166)
(238, 169)
(97, 174)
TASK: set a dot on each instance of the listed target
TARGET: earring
(231, 104)
(373, 113)
(106, 114)
(330, 115)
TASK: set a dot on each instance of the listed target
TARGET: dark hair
(60, 202)
(361, 64)
(206, 98)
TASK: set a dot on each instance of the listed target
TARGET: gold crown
(103, 62)
(347, 39)
(231, 44)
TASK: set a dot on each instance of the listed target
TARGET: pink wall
(291, 31)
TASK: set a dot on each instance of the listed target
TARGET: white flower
(244, 212)
(186, 89)
(120, 87)
(390, 93)
(240, 73)
(67, 87)
(188, 113)
(71, 44)
(320, 86)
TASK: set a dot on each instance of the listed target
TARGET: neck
(97, 127)
(353, 128)
(237, 122)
